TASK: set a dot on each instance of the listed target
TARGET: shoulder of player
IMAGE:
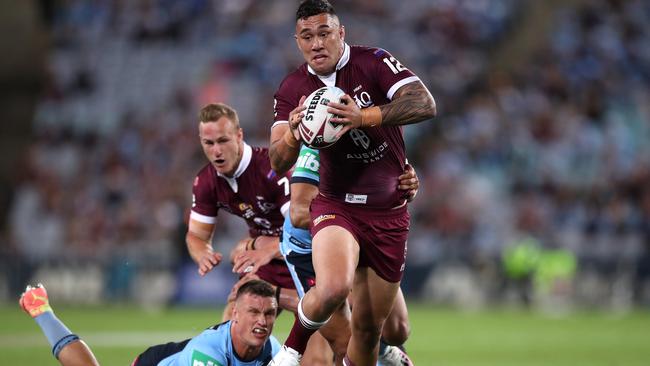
(205, 175)
(212, 341)
(361, 53)
(261, 151)
(261, 165)
(260, 158)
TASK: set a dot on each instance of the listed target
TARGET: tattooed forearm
(282, 157)
(411, 103)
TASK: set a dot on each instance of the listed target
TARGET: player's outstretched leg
(66, 346)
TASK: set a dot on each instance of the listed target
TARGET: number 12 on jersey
(394, 65)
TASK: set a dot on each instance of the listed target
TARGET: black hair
(256, 287)
(309, 8)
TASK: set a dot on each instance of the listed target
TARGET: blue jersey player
(245, 340)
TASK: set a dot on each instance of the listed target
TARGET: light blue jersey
(296, 242)
(306, 171)
(214, 347)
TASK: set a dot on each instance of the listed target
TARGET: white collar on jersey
(331, 78)
(243, 164)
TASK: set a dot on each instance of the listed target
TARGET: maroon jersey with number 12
(363, 167)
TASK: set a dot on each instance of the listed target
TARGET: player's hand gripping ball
(316, 129)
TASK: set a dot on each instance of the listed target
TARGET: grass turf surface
(439, 336)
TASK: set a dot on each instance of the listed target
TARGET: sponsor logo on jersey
(264, 206)
(260, 221)
(370, 155)
(360, 138)
(322, 218)
(356, 198)
(201, 359)
(308, 161)
(246, 210)
(298, 243)
(363, 100)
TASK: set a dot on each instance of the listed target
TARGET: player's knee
(334, 295)
(396, 333)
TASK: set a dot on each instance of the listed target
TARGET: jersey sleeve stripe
(309, 179)
(399, 84)
(279, 123)
(202, 218)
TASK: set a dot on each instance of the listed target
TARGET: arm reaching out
(199, 245)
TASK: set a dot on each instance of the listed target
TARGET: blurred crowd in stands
(556, 149)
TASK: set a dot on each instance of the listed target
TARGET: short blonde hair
(212, 112)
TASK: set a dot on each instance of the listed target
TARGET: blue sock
(55, 331)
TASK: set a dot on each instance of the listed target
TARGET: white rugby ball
(316, 129)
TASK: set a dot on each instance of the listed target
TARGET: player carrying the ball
(360, 220)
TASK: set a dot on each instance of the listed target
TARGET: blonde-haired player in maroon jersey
(360, 220)
(238, 179)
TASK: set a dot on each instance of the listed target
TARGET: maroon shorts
(381, 234)
(276, 273)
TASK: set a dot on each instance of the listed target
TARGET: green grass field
(439, 337)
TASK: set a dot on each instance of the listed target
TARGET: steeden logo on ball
(316, 129)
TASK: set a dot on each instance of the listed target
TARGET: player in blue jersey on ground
(245, 340)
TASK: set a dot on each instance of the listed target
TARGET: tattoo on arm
(411, 103)
(282, 159)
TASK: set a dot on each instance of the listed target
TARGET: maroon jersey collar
(345, 57)
(243, 164)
